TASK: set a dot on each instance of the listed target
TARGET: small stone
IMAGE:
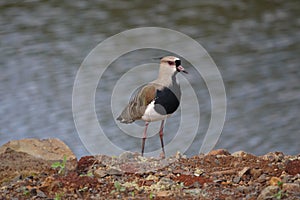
(163, 193)
(46, 149)
(274, 181)
(218, 152)
(243, 171)
(227, 191)
(194, 192)
(293, 167)
(236, 179)
(113, 171)
(217, 161)
(268, 193)
(243, 189)
(198, 172)
(178, 155)
(286, 178)
(291, 187)
(273, 156)
(164, 184)
(152, 178)
(239, 154)
(99, 173)
(127, 156)
(255, 173)
(262, 178)
(229, 198)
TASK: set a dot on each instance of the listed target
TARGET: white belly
(151, 115)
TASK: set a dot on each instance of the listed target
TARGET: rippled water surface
(256, 47)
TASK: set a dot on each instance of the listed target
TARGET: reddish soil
(218, 175)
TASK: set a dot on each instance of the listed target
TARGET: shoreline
(43, 169)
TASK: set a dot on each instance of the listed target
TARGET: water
(255, 45)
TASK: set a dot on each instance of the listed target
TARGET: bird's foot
(162, 155)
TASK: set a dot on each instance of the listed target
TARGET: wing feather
(137, 106)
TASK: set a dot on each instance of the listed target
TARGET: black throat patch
(166, 101)
(177, 62)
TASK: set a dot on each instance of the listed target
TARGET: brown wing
(136, 108)
(141, 100)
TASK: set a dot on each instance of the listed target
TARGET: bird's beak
(181, 69)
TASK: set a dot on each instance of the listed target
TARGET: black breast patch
(165, 102)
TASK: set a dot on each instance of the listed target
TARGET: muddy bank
(47, 169)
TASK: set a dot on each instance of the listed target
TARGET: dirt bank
(217, 175)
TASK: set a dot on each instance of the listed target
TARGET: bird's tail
(125, 116)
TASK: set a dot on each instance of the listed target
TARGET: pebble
(194, 192)
(291, 187)
(255, 173)
(273, 156)
(152, 177)
(218, 152)
(243, 171)
(236, 179)
(268, 192)
(113, 171)
(293, 167)
(243, 189)
(127, 156)
(229, 198)
(262, 178)
(239, 154)
(165, 183)
(274, 181)
(198, 172)
(99, 173)
(163, 193)
(227, 191)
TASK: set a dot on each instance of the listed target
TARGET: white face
(173, 63)
(170, 62)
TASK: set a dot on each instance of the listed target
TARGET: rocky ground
(47, 169)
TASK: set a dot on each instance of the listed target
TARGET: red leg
(161, 135)
(144, 137)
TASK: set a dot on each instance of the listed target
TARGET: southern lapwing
(157, 100)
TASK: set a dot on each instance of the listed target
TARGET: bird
(156, 100)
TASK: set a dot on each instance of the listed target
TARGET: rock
(114, 171)
(275, 181)
(218, 152)
(227, 191)
(243, 171)
(239, 154)
(46, 149)
(128, 156)
(179, 155)
(198, 172)
(194, 192)
(293, 167)
(99, 173)
(163, 193)
(15, 164)
(262, 178)
(229, 198)
(255, 173)
(236, 179)
(268, 193)
(165, 183)
(41, 194)
(243, 189)
(273, 156)
(152, 178)
(32, 156)
(291, 187)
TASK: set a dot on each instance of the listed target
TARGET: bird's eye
(171, 63)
